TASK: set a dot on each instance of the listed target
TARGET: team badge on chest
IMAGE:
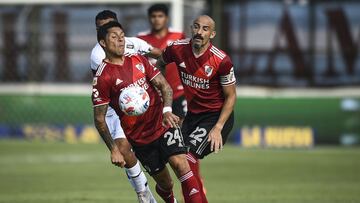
(140, 67)
(208, 70)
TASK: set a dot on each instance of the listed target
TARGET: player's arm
(100, 124)
(154, 53)
(215, 137)
(227, 81)
(167, 95)
(161, 64)
(146, 49)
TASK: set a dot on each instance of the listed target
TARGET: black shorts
(179, 106)
(196, 128)
(155, 155)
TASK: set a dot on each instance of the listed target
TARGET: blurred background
(297, 65)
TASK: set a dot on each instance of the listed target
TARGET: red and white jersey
(171, 73)
(202, 77)
(110, 80)
(133, 45)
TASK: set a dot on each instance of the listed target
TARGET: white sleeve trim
(154, 76)
(101, 104)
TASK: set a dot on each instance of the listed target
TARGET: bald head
(205, 20)
(203, 30)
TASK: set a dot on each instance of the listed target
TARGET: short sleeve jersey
(133, 45)
(171, 74)
(110, 80)
(202, 77)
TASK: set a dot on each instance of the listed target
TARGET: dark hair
(103, 30)
(105, 14)
(158, 7)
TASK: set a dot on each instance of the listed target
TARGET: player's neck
(117, 60)
(160, 33)
(199, 51)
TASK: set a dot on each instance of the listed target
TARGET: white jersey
(132, 45)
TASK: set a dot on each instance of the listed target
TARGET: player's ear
(102, 43)
(212, 35)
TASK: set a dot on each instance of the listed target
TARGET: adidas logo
(182, 65)
(193, 191)
(118, 81)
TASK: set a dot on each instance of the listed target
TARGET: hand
(170, 119)
(117, 158)
(215, 139)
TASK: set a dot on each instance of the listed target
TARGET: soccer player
(133, 170)
(207, 74)
(153, 135)
(160, 36)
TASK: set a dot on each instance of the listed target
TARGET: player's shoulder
(103, 69)
(218, 53)
(144, 33)
(97, 51)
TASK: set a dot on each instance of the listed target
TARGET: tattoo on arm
(101, 126)
(167, 94)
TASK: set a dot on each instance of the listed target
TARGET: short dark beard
(196, 46)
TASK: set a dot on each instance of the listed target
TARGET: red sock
(167, 196)
(190, 188)
(194, 165)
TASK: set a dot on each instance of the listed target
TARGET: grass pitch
(36, 172)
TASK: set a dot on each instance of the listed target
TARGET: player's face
(114, 42)
(158, 20)
(100, 23)
(202, 31)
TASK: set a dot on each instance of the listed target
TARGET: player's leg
(150, 158)
(195, 130)
(193, 161)
(133, 170)
(174, 150)
(179, 108)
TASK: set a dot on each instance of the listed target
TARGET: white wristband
(167, 109)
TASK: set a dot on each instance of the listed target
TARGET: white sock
(137, 178)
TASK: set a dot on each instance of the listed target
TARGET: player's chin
(197, 45)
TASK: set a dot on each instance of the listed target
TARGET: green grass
(63, 173)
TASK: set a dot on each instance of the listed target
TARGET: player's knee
(179, 164)
(166, 184)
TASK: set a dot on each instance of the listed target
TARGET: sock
(194, 165)
(167, 196)
(190, 188)
(137, 178)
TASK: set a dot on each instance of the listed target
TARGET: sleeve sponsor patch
(94, 83)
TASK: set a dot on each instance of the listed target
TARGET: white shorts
(113, 123)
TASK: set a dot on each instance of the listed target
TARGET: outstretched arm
(100, 124)
(154, 53)
(167, 95)
(161, 64)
